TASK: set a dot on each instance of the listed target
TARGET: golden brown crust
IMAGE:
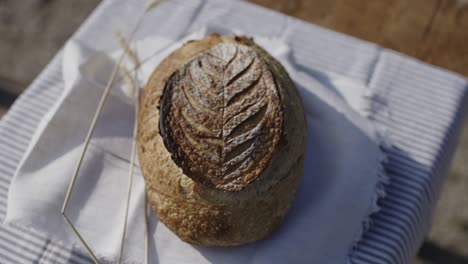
(199, 213)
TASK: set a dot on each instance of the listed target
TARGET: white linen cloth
(341, 182)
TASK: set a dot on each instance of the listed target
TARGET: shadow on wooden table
(9, 91)
(7, 98)
(434, 254)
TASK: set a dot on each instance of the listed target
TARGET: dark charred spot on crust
(243, 40)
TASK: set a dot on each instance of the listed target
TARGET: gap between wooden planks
(435, 31)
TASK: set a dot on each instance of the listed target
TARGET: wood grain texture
(221, 116)
(435, 31)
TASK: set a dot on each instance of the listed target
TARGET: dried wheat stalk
(127, 52)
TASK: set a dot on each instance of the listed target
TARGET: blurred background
(435, 31)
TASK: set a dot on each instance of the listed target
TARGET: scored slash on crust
(221, 116)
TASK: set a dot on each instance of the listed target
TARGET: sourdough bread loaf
(222, 137)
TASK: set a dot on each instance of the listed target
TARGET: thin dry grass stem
(152, 4)
(80, 161)
(135, 89)
(147, 223)
(130, 183)
(126, 48)
(129, 81)
(126, 52)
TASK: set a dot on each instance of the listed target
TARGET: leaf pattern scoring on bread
(221, 116)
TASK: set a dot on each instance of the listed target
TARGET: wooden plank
(435, 31)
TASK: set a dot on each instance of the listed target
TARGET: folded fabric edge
(75, 249)
(379, 192)
(383, 140)
(64, 247)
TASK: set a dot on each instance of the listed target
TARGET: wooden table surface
(435, 31)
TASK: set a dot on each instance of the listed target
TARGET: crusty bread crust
(221, 116)
(205, 215)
